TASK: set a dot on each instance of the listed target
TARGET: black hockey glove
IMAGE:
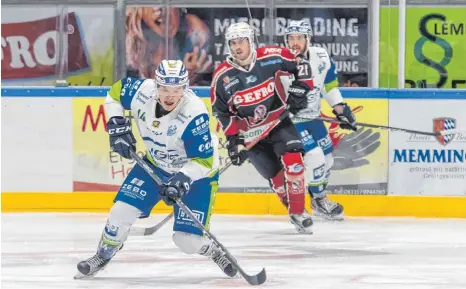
(237, 156)
(347, 116)
(297, 96)
(176, 188)
(121, 137)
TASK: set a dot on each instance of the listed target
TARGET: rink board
(248, 204)
(67, 165)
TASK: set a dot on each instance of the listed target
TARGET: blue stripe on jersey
(197, 139)
(331, 73)
(129, 86)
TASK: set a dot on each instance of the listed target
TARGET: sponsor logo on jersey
(251, 79)
(206, 146)
(271, 62)
(125, 86)
(162, 155)
(133, 188)
(231, 84)
(256, 94)
(141, 97)
(325, 142)
(202, 126)
(273, 50)
(171, 130)
(181, 117)
(183, 217)
(135, 87)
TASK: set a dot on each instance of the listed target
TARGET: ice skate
(303, 223)
(90, 267)
(326, 209)
(219, 258)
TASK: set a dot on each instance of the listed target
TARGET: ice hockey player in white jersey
(174, 125)
(314, 135)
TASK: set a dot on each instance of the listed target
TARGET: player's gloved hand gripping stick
(254, 279)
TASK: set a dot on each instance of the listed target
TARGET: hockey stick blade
(253, 280)
(138, 231)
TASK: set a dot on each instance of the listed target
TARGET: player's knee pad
(188, 243)
(122, 217)
(315, 161)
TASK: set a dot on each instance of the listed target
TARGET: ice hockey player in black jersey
(247, 95)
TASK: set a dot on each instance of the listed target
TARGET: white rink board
(410, 170)
(37, 143)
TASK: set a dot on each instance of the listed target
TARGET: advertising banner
(360, 157)
(196, 36)
(30, 45)
(435, 47)
(425, 165)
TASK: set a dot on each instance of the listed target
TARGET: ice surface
(42, 250)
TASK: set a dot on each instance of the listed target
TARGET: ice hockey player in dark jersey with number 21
(247, 94)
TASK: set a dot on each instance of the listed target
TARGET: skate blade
(80, 275)
(324, 217)
(303, 231)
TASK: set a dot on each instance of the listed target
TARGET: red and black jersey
(244, 99)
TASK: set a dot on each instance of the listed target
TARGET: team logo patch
(251, 79)
(259, 113)
(156, 124)
(226, 79)
(444, 123)
(171, 130)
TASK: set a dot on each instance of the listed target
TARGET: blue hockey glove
(346, 116)
(176, 187)
(121, 137)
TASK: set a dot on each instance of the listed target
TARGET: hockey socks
(294, 182)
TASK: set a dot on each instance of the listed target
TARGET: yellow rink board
(240, 203)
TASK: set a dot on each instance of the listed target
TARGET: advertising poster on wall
(196, 36)
(360, 157)
(435, 47)
(31, 45)
(427, 165)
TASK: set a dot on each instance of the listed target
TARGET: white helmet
(171, 73)
(299, 27)
(240, 30)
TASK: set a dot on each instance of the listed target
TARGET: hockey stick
(139, 231)
(252, 280)
(440, 133)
